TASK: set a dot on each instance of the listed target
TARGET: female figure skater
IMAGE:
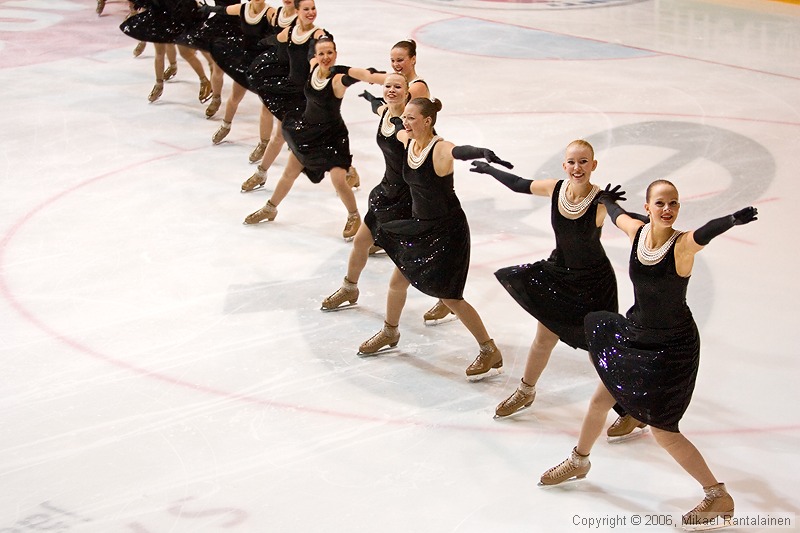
(279, 77)
(319, 139)
(431, 250)
(576, 279)
(389, 200)
(647, 361)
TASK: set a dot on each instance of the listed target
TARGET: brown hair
(655, 184)
(409, 45)
(428, 107)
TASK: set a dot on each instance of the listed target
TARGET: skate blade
(567, 482)
(340, 308)
(440, 321)
(254, 189)
(718, 523)
(491, 373)
(515, 413)
(383, 350)
(635, 434)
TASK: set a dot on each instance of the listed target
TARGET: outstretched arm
(703, 235)
(374, 101)
(514, 182)
(627, 222)
(466, 152)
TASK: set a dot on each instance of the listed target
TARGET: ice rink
(167, 369)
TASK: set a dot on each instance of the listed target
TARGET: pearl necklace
(387, 126)
(254, 19)
(571, 210)
(301, 38)
(318, 82)
(415, 161)
(285, 21)
(650, 257)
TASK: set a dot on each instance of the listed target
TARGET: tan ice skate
(352, 178)
(351, 226)
(170, 71)
(438, 314)
(258, 151)
(348, 292)
(268, 212)
(489, 362)
(387, 336)
(213, 107)
(714, 512)
(256, 181)
(625, 428)
(521, 399)
(575, 467)
(205, 90)
(221, 133)
(158, 90)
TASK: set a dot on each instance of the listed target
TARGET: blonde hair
(581, 142)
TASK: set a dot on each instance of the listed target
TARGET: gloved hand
(609, 195)
(745, 216)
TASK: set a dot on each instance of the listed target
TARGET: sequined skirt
(318, 146)
(559, 297)
(650, 372)
(432, 254)
(387, 203)
(234, 56)
(153, 26)
(268, 77)
(219, 27)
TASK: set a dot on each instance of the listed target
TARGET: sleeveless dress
(319, 138)
(235, 55)
(269, 74)
(575, 280)
(163, 21)
(648, 360)
(217, 27)
(391, 198)
(432, 248)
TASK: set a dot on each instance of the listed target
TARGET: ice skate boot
(213, 107)
(158, 90)
(438, 314)
(575, 467)
(205, 90)
(170, 71)
(139, 49)
(352, 178)
(256, 181)
(387, 336)
(489, 362)
(351, 226)
(101, 5)
(522, 398)
(268, 212)
(375, 249)
(221, 133)
(625, 428)
(258, 151)
(348, 292)
(714, 512)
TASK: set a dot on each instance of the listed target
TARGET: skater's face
(579, 163)
(663, 204)
(326, 54)
(306, 11)
(401, 61)
(395, 89)
(415, 124)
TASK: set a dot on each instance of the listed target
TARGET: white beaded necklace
(254, 19)
(300, 38)
(415, 161)
(387, 126)
(574, 211)
(650, 257)
(317, 81)
(285, 21)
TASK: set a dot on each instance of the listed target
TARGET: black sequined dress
(575, 280)
(234, 55)
(162, 21)
(319, 137)
(648, 359)
(391, 198)
(269, 74)
(217, 27)
(432, 248)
